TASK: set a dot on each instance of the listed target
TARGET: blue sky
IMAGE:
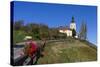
(55, 15)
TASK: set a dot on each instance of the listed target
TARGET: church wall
(73, 26)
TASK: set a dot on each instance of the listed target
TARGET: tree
(18, 25)
(43, 31)
(73, 32)
(83, 31)
(53, 33)
(33, 30)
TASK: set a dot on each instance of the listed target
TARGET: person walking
(30, 50)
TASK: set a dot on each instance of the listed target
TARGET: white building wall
(73, 26)
(61, 31)
(68, 32)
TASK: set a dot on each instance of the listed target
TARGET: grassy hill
(67, 51)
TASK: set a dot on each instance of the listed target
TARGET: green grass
(68, 51)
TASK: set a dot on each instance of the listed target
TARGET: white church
(68, 30)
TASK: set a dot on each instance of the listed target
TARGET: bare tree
(83, 31)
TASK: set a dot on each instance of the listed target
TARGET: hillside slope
(69, 50)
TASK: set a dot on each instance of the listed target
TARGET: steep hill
(67, 51)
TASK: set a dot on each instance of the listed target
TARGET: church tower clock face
(73, 24)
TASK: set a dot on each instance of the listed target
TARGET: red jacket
(33, 48)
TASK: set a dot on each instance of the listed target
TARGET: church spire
(73, 19)
(73, 24)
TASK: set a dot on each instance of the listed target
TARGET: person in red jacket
(30, 46)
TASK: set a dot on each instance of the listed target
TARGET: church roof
(72, 21)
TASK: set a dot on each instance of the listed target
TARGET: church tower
(73, 24)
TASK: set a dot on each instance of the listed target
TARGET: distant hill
(67, 51)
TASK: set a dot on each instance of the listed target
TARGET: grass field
(67, 51)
